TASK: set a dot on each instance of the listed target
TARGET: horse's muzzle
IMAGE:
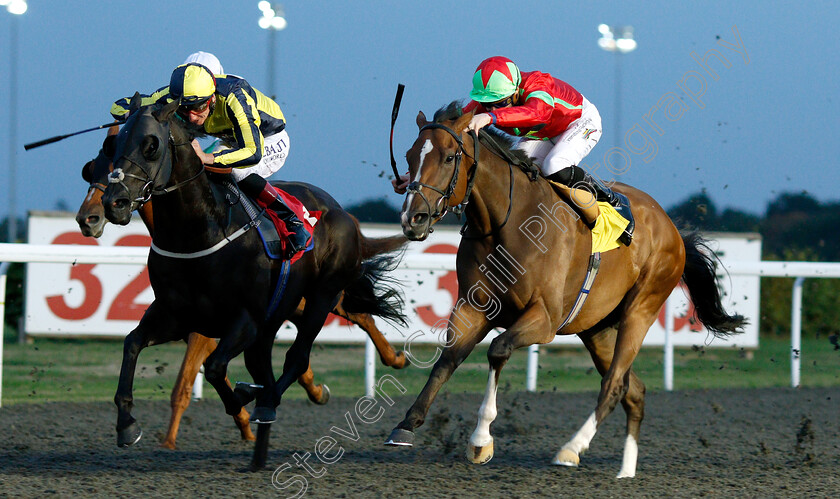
(117, 206)
(416, 226)
(91, 225)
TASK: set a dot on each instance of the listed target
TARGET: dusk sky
(762, 118)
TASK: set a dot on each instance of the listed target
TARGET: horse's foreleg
(467, 326)
(387, 354)
(533, 326)
(153, 329)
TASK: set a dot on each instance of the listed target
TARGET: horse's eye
(450, 158)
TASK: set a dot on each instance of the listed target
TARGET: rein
(415, 187)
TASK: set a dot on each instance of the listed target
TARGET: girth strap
(583, 294)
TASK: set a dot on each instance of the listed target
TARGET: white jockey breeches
(275, 151)
(568, 148)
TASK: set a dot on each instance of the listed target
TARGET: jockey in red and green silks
(556, 124)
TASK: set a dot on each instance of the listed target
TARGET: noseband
(442, 205)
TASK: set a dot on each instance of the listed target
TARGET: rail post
(669, 345)
(533, 366)
(796, 331)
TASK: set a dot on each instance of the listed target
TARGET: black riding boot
(265, 195)
(575, 175)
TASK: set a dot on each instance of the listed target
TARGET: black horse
(210, 272)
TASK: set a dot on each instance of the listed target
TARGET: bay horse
(210, 272)
(92, 221)
(521, 264)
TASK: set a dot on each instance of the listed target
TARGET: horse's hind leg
(641, 308)
(467, 326)
(297, 356)
(239, 334)
(155, 327)
(601, 346)
(533, 326)
(387, 354)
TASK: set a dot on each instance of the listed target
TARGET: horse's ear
(109, 146)
(462, 122)
(421, 120)
(87, 174)
(167, 111)
(135, 103)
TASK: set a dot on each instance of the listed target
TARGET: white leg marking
(628, 462)
(580, 442)
(486, 414)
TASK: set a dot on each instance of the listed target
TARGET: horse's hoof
(325, 395)
(263, 415)
(566, 458)
(400, 360)
(129, 435)
(166, 444)
(480, 455)
(400, 438)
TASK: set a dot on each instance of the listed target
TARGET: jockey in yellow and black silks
(249, 124)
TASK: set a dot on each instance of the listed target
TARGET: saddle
(271, 228)
(610, 226)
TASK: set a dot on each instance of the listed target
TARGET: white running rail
(74, 254)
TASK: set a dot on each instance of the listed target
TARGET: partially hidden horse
(522, 263)
(92, 221)
(210, 272)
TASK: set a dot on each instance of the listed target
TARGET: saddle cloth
(608, 228)
(309, 218)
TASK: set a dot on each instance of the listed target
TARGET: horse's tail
(372, 246)
(375, 292)
(699, 277)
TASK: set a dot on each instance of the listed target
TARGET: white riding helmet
(207, 60)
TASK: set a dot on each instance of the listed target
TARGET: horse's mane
(184, 127)
(497, 141)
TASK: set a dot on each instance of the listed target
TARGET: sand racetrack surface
(724, 443)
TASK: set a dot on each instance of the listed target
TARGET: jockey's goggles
(507, 101)
(196, 108)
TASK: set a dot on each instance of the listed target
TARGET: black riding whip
(394, 113)
(50, 140)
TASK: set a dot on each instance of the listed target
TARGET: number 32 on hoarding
(124, 307)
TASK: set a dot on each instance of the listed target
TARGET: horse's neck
(487, 210)
(188, 213)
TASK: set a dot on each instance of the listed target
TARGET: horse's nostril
(92, 220)
(121, 204)
(419, 219)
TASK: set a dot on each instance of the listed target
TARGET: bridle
(442, 205)
(149, 189)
